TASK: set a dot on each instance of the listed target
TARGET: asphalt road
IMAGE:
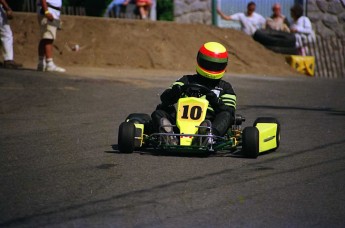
(58, 168)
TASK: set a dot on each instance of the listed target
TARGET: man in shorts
(49, 21)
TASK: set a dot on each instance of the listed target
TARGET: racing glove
(172, 95)
(213, 99)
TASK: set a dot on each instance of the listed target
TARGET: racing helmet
(212, 60)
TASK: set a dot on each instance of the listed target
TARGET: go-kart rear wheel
(250, 142)
(270, 120)
(126, 138)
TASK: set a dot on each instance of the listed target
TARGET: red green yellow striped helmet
(212, 60)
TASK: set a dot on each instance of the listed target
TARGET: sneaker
(166, 127)
(53, 68)
(205, 129)
(11, 64)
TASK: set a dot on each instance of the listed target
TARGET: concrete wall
(193, 11)
(328, 17)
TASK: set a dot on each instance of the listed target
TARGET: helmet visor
(210, 65)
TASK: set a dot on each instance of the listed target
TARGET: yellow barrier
(303, 64)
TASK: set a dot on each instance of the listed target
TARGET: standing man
(7, 36)
(250, 20)
(49, 21)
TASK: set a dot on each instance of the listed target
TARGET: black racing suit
(221, 114)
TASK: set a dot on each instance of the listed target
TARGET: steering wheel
(195, 90)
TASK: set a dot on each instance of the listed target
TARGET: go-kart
(136, 133)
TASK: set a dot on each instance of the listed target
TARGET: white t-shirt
(302, 25)
(251, 23)
(55, 3)
(305, 33)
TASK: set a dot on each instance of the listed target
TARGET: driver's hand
(212, 98)
(176, 91)
(9, 14)
(49, 16)
(172, 95)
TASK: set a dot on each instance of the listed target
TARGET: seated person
(144, 7)
(212, 60)
(277, 21)
(117, 6)
(302, 28)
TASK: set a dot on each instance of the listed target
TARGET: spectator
(7, 36)
(117, 6)
(250, 21)
(49, 21)
(302, 28)
(144, 7)
(277, 21)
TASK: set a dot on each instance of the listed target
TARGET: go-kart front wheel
(126, 138)
(250, 142)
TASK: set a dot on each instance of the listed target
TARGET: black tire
(141, 118)
(250, 142)
(275, 38)
(126, 138)
(283, 50)
(270, 120)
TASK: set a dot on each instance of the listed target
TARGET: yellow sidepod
(268, 138)
(139, 132)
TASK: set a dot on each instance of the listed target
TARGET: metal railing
(31, 6)
(130, 10)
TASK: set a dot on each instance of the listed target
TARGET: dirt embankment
(142, 44)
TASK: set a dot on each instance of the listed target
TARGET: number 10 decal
(193, 112)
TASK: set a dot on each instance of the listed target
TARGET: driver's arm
(227, 99)
(171, 95)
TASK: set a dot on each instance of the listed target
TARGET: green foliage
(165, 10)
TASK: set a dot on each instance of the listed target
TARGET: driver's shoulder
(226, 86)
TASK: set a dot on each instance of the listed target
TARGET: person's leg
(117, 9)
(142, 12)
(45, 47)
(109, 9)
(123, 9)
(222, 122)
(7, 47)
(147, 11)
(45, 53)
(157, 116)
(148, 8)
(162, 122)
(7, 42)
